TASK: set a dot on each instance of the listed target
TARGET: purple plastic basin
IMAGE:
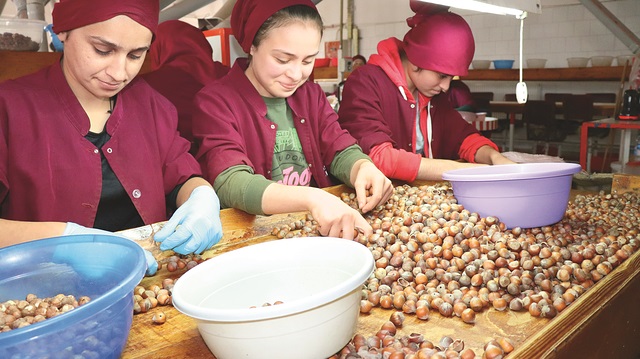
(520, 195)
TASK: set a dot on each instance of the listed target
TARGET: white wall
(564, 29)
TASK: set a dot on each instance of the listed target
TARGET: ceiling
(175, 9)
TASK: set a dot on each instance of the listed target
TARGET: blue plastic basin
(503, 64)
(105, 268)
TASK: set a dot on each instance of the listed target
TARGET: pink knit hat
(248, 16)
(72, 14)
(439, 41)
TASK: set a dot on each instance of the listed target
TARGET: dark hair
(287, 16)
(402, 54)
(359, 57)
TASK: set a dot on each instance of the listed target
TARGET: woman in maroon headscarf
(87, 148)
(267, 135)
(394, 105)
(459, 95)
(182, 63)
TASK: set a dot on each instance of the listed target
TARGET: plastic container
(577, 61)
(481, 64)
(536, 63)
(520, 195)
(622, 60)
(318, 279)
(105, 268)
(21, 34)
(503, 64)
(598, 61)
(468, 116)
(630, 106)
(616, 167)
(630, 168)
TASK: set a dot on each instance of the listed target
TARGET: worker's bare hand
(372, 187)
(336, 219)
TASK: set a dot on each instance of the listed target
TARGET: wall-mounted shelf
(607, 73)
(328, 73)
(325, 73)
(14, 64)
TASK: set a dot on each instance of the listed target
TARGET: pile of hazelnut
(16, 314)
(388, 344)
(434, 256)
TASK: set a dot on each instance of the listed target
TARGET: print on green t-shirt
(290, 166)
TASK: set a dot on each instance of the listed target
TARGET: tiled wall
(556, 34)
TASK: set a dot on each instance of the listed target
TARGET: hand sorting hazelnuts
(434, 257)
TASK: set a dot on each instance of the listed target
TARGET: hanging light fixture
(517, 8)
(498, 7)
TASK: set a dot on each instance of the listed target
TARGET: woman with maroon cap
(357, 61)
(395, 104)
(268, 136)
(182, 63)
(85, 148)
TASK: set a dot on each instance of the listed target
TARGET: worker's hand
(372, 186)
(74, 228)
(195, 226)
(488, 155)
(335, 218)
(501, 160)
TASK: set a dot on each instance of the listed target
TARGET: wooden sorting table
(602, 323)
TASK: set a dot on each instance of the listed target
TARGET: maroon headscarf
(72, 14)
(248, 16)
(439, 40)
(422, 10)
(181, 45)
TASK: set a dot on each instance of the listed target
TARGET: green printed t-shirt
(238, 186)
(289, 166)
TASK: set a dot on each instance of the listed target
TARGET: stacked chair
(604, 97)
(577, 109)
(542, 126)
(482, 101)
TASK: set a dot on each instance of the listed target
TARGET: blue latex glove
(74, 228)
(195, 226)
(58, 46)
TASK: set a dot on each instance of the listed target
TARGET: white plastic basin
(318, 279)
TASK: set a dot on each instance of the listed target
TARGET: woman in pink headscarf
(268, 136)
(182, 64)
(87, 148)
(395, 106)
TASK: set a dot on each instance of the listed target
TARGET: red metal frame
(225, 47)
(604, 123)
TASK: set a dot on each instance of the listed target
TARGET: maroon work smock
(182, 63)
(231, 126)
(374, 112)
(49, 171)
